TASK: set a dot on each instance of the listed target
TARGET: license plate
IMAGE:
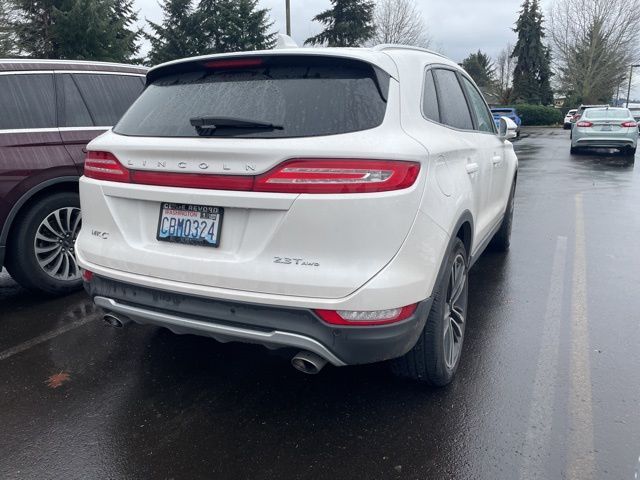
(190, 224)
(606, 128)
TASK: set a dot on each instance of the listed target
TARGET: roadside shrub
(539, 115)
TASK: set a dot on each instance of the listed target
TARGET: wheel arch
(463, 230)
(55, 185)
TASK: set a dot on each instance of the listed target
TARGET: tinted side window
(454, 110)
(430, 98)
(76, 113)
(483, 116)
(107, 96)
(27, 101)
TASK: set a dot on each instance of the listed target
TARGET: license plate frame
(200, 241)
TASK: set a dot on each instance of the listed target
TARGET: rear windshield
(604, 113)
(302, 96)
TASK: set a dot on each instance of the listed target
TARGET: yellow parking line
(581, 461)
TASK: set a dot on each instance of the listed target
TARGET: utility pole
(629, 89)
(288, 17)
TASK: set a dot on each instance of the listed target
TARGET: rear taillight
(584, 124)
(367, 318)
(338, 176)
(293, 176)
(630, 124)
(105, 166)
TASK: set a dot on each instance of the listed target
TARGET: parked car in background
(224, 208)
(581, 110)
(49, 111)
(568, 117)
(510, 113)
(606, 127)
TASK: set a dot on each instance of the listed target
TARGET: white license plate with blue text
(190, 224)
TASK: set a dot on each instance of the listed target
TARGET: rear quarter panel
(28, 159)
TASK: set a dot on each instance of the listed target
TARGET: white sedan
(568, 117)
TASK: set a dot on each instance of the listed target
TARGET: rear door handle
(497, 160)
(472, 168)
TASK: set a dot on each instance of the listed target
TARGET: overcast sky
(458, 27)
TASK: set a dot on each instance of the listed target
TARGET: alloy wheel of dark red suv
(49, 111)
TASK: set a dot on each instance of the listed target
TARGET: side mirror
(508, 128)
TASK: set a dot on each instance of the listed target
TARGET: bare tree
(594, 43)
(400, 22)
(504, 66)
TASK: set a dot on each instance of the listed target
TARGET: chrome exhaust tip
(115, 321)
(309, 363)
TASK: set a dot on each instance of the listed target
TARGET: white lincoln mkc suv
(326, 200)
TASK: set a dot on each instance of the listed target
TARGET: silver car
(606, 127)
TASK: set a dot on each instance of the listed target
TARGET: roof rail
(48, 61)
(392, 46)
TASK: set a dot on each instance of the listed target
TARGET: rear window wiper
(208, 125)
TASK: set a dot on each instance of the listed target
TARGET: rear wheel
(630, 151)
(41, 254)
(573, 151)
(436, 356)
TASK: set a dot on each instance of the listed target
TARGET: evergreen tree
(349, 23)
(531, 78)
(7, 37)
(252, 27)
(34, 27)
(124, 24)
(80, 30)
(480, 67)
(175, 36)
(76, 29)
(234, 26)
(546, 92)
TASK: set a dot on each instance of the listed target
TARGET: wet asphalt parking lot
(548, 387)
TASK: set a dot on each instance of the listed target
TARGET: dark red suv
(49, 111)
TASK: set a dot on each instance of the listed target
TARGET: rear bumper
(604, 142)
(273, 327)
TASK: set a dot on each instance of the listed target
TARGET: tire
(435, 357)
(51, 225)
(501, 241)
(630, 151)
(573, 151)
